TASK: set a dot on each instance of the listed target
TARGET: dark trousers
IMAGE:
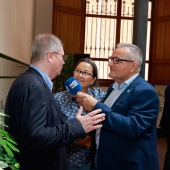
(95, 159)
(167, 155)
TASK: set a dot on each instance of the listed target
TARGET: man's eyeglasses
(63, 55)
(116, 60)
(84, 73)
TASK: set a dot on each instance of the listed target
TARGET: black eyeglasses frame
(63, 55)
(116, 60)
(84, 73)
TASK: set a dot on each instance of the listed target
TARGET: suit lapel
(126, 92)
(54, 102)
(49, 93)
(108, 92)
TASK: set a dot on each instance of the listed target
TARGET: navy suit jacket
(36, 124)
(128, 136)
(165, 120)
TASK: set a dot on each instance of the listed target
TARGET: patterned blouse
(78, 155)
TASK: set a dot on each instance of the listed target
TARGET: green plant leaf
(3, 124)
(14, 168)
(12, 146)
(9, 138)
(5, 146)
(5, 133)
(3, 114)
(2, 155)
(3, 164)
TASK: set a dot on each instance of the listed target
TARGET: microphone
(73, 86)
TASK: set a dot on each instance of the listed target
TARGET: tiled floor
(161, 143)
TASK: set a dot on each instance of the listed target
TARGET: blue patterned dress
(78, 155)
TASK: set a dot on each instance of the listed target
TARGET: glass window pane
(126, 33)
(127, 8)
(103, 69)
(146, 71)
(101, 32)
(148, 40)
(101, 7)
(149, 9)
(100, 37)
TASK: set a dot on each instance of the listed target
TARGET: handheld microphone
(73, 86)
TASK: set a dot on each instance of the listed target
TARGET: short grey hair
(135, 53)
(44, 43)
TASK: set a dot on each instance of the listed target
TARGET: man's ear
(50, 56)
(134, 67)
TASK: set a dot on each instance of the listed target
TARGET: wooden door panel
(69, 31)
(72, 4)
(163, 75)
(163, 40)
(160, 61)
(69, 24)
(163, 8)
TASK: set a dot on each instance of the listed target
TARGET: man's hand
(86, 100)
(90, 121)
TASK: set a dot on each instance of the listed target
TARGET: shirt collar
(45, 76)
(118, 86)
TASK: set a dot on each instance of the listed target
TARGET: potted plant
(7, 145)
(66, 73)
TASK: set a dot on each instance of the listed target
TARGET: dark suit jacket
(165, 124)
(128, 136)
(36, 124)
(165, 120)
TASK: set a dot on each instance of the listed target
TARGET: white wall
(43, 16)
(20, 21)
(16, 28)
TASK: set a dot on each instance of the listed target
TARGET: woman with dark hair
(80, 151)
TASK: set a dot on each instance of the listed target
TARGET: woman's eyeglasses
(84, 73)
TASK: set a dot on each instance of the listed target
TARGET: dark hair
(94, 68)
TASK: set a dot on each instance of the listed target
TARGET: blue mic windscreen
(73, 85)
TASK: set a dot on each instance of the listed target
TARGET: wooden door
(69, 24)
(160, 53)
